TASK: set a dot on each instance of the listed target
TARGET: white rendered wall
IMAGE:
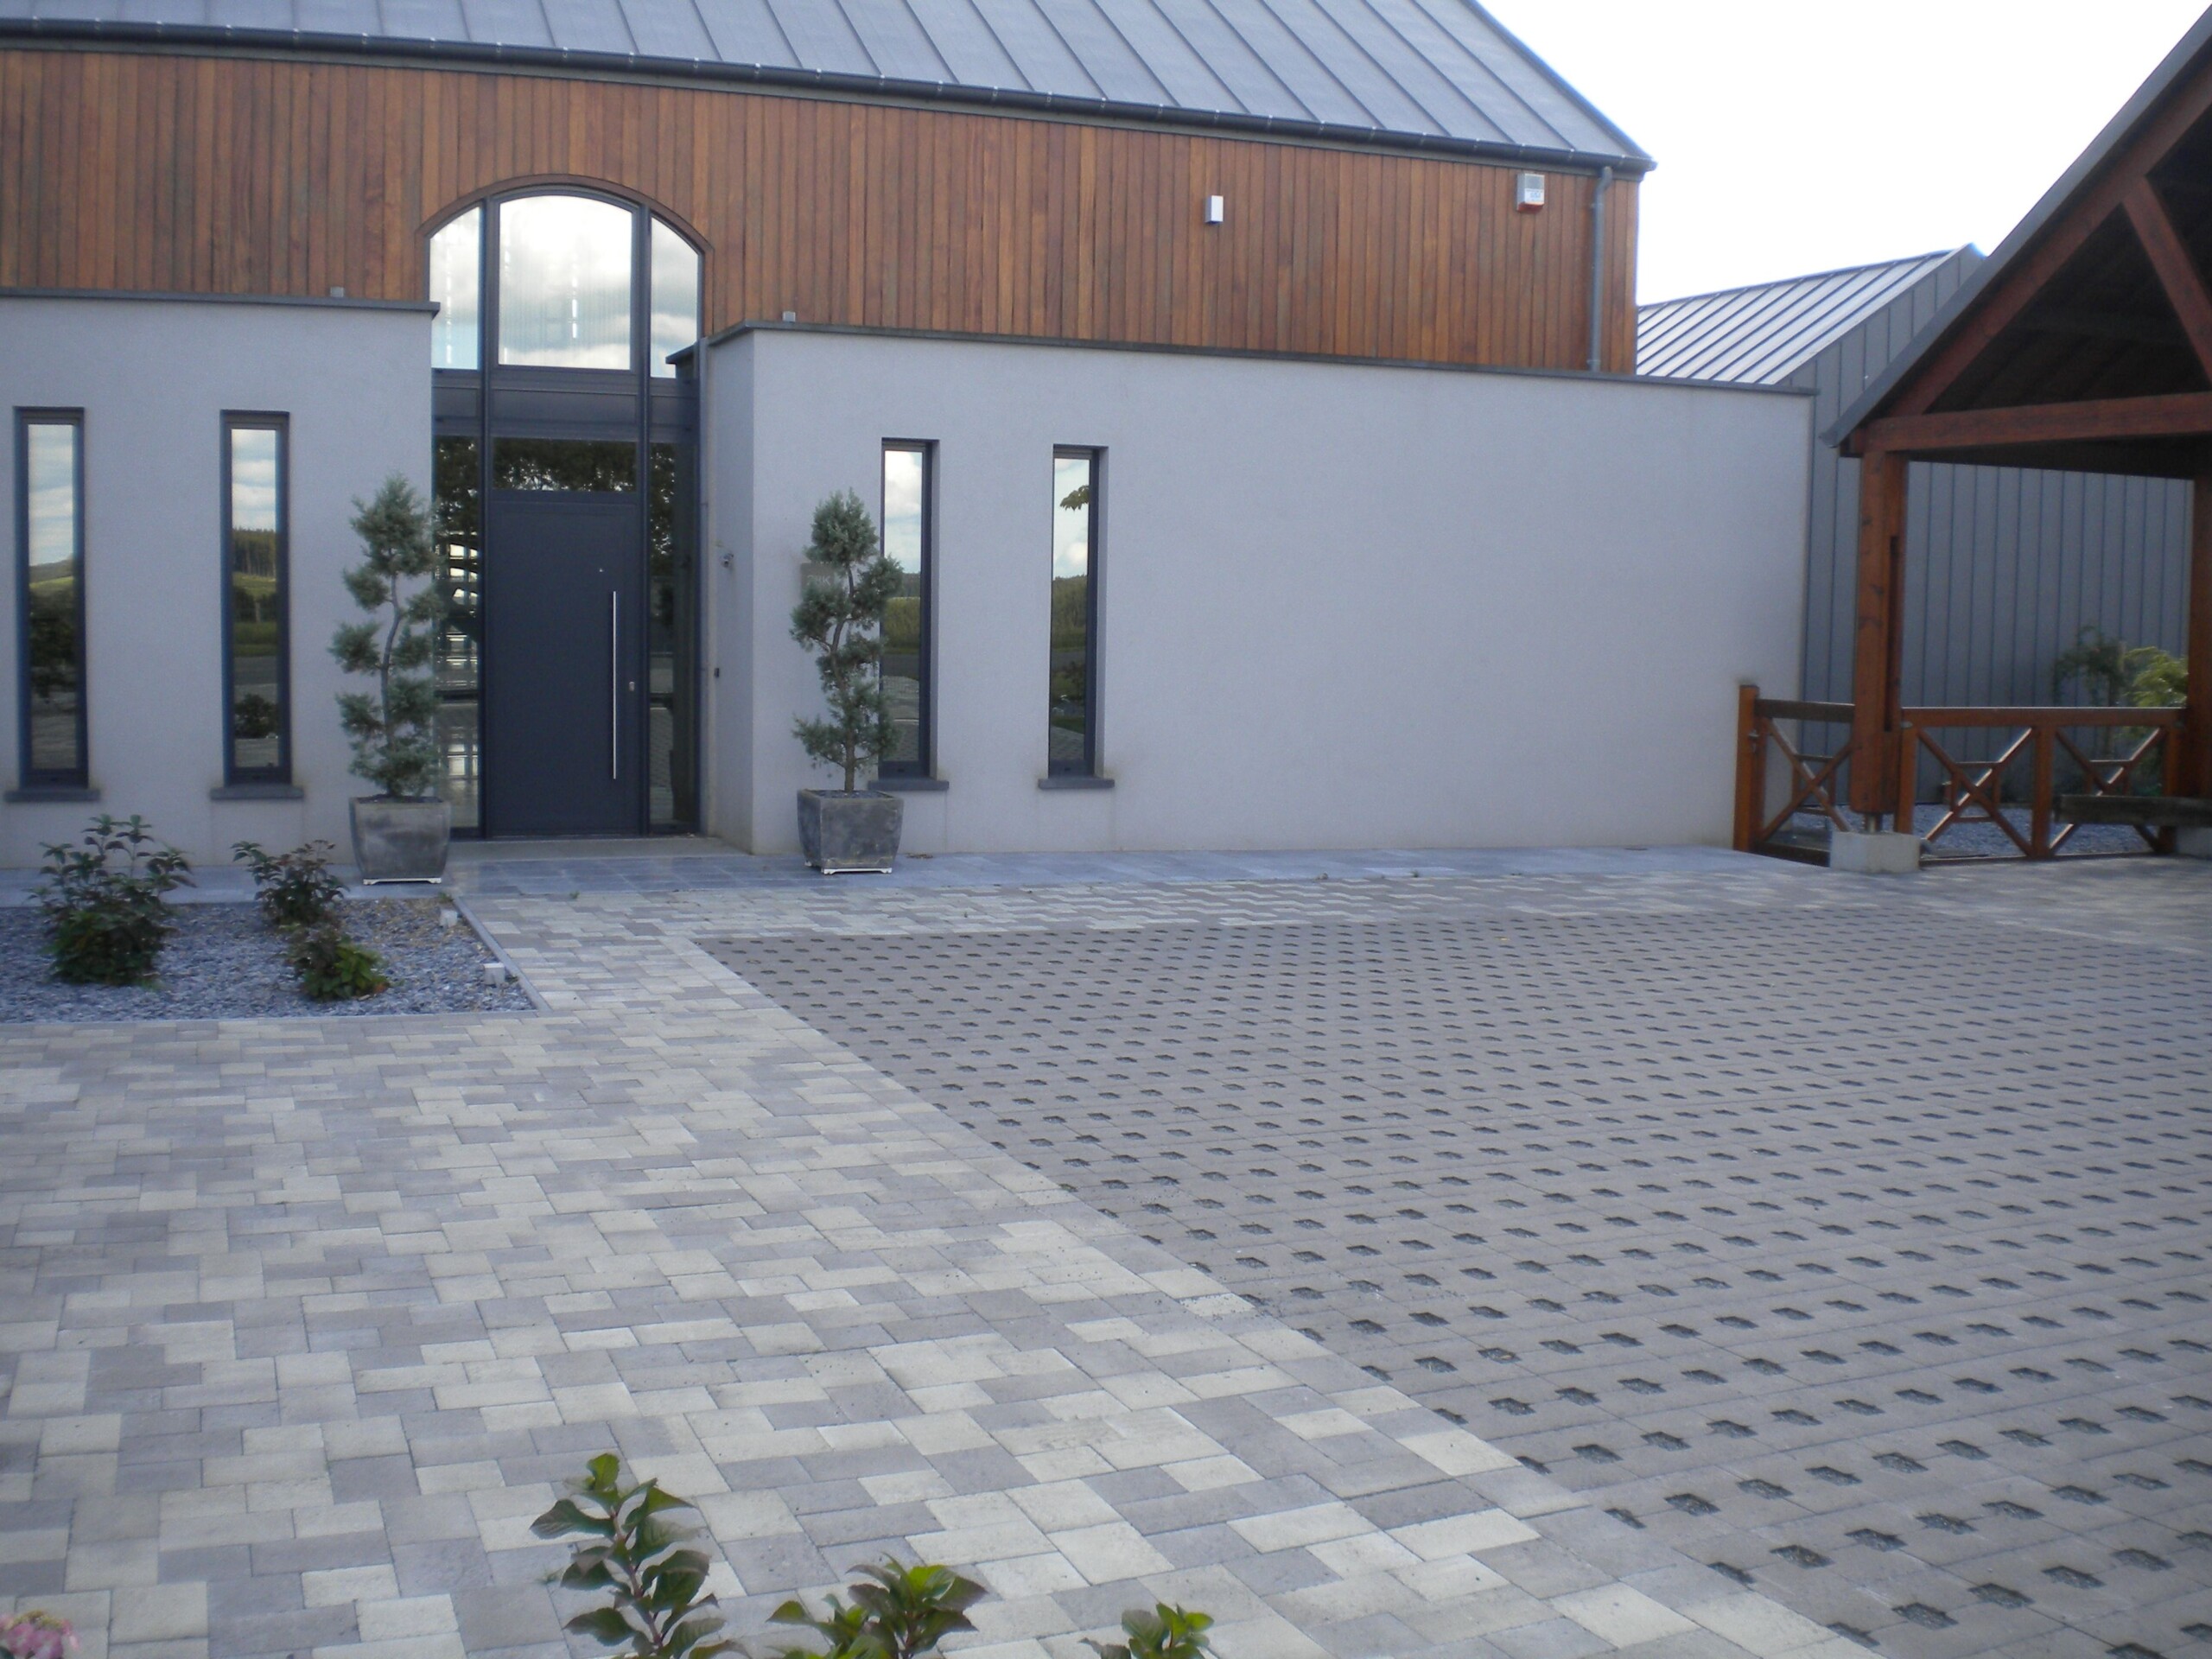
(1341, 606)
(154, 377)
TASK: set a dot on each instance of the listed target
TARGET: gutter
(608, 65)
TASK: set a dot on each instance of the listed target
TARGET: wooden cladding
(199, 173)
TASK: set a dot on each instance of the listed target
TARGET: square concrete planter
(400, 841)
(1873, 852)
(852, 831)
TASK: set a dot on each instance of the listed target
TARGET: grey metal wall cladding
(1436, 72)
(2005, 566)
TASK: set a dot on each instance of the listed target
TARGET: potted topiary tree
(840, 618)
(401, 832)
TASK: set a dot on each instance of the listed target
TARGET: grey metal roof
(1763, 333)
(1426, 73)
(2151, 93)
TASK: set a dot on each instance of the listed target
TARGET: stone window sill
(257, 792)
(32, 794)
(1074, 780)
(905, 785)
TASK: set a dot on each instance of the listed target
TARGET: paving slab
(302, 1321)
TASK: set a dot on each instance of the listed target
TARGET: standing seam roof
(1761, 334)
(1423, 73)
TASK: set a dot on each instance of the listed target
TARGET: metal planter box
(401, 840)
(842, 831)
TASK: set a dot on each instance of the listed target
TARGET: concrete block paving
(301, 1320)
(1847, 1236)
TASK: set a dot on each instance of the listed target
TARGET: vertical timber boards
(207, 173)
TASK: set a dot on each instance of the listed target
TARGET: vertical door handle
(614, 684)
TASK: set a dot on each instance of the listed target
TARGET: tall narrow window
(460, 512)
(1073, 718)
(456, 277)
(564, 283)
(671, 639)
(256, 666)
(906, 530)
(50, 574)
(676, 297)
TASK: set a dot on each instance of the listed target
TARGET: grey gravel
(224, 962)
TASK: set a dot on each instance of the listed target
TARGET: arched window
(566, 270)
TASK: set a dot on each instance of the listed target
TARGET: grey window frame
(31, 777)
(1093, 724)
(925, 762)
(233, 774)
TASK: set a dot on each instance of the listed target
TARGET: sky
(1798, 136)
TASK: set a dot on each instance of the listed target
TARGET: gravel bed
(1978, 840)
(223, 963)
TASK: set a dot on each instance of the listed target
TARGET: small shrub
(333, 968)
(1164, 1632)
(840, 618)
(897, 1613)
(657, 1610)
(2155, 678)
(393, 728)
(293, 889)
(36, 1635)
(102, 898)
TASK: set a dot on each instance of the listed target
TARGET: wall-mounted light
(1528, 193)
(1214, 208)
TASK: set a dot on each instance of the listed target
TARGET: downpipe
(1598, 267)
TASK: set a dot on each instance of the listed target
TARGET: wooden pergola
(2084, 343)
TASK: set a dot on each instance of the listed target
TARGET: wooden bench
(2151, 811)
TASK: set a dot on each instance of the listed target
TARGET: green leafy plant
(393, 730)
(840, 616)
(897, 1612)
(293, 889)
(2097, 662)
(643, 1559)
(2155, 678)
(333, 968)
(102, 899)
(1160, 1632)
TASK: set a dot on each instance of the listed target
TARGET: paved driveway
(300, 1321)
(1850, 1237)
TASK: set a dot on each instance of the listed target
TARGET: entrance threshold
(567, 849)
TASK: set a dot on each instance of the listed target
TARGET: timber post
(1878, 657)
(2190, 771)
(1751, 768)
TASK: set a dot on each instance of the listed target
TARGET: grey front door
(563, 588)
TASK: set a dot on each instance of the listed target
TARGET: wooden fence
(1790, 785)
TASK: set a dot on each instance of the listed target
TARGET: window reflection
(564, 283)
(258, 722)
(53, 623)
(459, 496)
(671, 641)
(676, 297)
(562, 464)
(457, 271)
(906, 625)
(1073, 713)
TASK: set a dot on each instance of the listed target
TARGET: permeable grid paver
(1849, 1237)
